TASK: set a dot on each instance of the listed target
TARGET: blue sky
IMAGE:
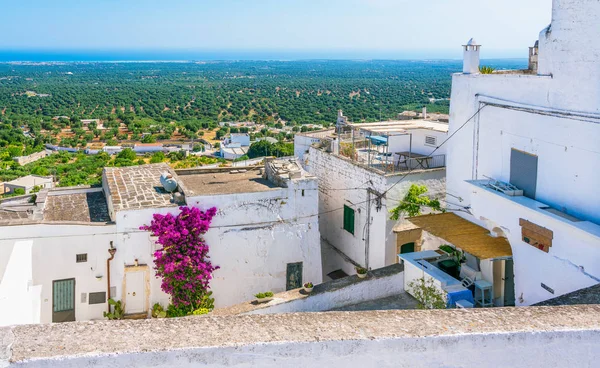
(433, 28)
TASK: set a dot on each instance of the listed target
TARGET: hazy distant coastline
(233, 55)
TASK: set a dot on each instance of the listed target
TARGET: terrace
(394, 146)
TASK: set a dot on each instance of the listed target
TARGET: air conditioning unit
(506, 188)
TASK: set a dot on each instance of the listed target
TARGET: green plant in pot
(308, 287)
(361, 272)
(264, 297)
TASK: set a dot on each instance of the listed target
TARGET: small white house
(64, 256)
(27, 183)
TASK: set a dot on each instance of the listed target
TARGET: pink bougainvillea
(183, 262)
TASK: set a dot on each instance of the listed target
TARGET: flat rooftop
(31, 180)
(80, 207)
(400, 126)
(77, 205)
(137, 187)
(230, 181)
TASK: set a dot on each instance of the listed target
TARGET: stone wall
(24, 160)
(344, 183)
(499, 337)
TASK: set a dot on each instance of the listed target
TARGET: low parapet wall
(498, 337)
(379, 283)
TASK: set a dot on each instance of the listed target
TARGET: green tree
(259, 149)
(413, 201)
(127, 154)
(427, 294)
(157, 157)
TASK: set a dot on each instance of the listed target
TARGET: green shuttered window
(349, 219)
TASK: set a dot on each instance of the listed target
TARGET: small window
(430, 140)
(80, 258)
(349, 219)
(97, 298)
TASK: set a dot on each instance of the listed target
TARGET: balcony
(509, 203)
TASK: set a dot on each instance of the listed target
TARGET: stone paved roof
(137, 187)
(83, 207)
(97, 338)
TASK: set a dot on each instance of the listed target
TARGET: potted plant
(361, 272)
(308, 287)
(265, 297)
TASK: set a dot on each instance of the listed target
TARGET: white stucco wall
(576, 348)
(47, 253)
(571, 263)
(566, 146)
(338, 180)
(368, 289)
(255, 235)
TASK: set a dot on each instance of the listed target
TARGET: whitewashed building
(525, 157)
(28, 183)
(62, 257)
(364, 170)
(235, 146)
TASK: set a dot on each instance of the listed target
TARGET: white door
(135, 300)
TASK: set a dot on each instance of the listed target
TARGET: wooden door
(293, 276)
(135, 299)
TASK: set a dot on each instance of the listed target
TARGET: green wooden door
(407, 248)
(63, 300)
(293, 276)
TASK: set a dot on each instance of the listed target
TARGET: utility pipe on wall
(112, 250)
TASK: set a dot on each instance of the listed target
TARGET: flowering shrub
(183, 262)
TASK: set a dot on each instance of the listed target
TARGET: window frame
(349, 219)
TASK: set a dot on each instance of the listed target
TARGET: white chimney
(471, 57)
(424, 112)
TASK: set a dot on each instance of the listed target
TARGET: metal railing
(403, 165)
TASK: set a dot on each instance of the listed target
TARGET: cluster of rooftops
(139, 187)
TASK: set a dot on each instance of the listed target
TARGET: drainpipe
(368, 232)
(112, 252)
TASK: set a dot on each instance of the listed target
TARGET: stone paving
(82, 207)
(137, 187)
(400, 301)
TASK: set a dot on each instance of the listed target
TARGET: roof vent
(167, 181)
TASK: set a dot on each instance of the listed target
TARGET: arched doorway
(407, 248)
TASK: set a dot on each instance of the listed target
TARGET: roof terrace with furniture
(394, 146)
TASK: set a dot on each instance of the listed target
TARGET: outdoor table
(421, 160)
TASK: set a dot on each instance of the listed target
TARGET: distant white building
(364, 170)
(63, 256)
(524, 157)
(112, 150)
(141, 148)
(235, 146)
(27, 183)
